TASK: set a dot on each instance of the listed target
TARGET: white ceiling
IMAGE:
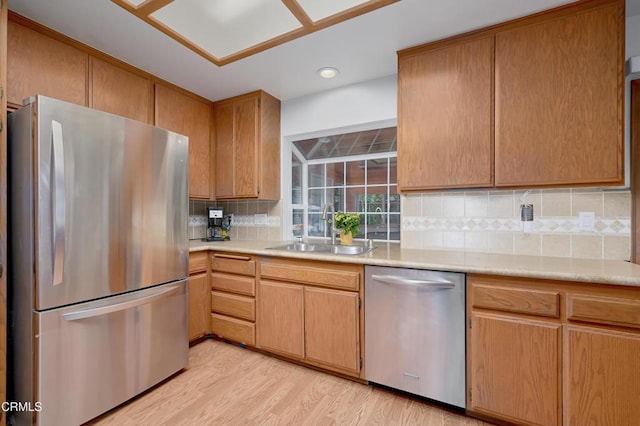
(362, 49)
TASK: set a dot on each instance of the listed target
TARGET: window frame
(288, 150)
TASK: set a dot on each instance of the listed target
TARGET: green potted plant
(348, 224)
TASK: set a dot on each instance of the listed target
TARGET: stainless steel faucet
(325, 216)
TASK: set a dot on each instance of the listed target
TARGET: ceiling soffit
(224, 31)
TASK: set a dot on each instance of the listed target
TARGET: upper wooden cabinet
(38, 64)
(537, 102)
(444, 116)
(248, 147)
(190, 116)
(118, 91)
(559, 91)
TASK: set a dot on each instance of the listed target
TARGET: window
(355, 172)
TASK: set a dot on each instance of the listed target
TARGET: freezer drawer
(415, 332)
(92, 357)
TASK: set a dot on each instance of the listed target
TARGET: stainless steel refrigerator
(98, 260)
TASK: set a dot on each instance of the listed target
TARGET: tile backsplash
(489, 221)
(244, 226)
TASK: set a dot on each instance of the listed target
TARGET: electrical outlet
(587, 221)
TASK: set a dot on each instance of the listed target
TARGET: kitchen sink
(323, 248)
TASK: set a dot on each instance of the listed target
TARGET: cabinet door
(41, 65)
(514, 369)
(198, 312)
(444, 117)
(224, 116)
(280, 322)
(602, 377)
(246, 144)
(118, 91)
(559, 101)
(191, 117)
(332, 328)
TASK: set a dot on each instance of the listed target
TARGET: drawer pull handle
(231, 256)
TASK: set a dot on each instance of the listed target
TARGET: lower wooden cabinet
(233, 310)
(281, 318)
(515, 369)
(299, 317)
(331, 325)
(602, 380)
(542, 352)
(198, 312)
(198, 285)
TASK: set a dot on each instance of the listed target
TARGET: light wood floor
(228, 385)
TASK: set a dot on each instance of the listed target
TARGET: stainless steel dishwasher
(415, 332)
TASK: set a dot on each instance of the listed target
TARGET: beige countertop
(559, 268)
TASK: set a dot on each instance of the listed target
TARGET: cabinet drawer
(234, 305)
(525, 301)
(233, 283)
(233, 329)
(197, 262)
(341, 276)
(604, 310)
(235, 264)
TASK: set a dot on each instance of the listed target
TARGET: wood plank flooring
(228, 385)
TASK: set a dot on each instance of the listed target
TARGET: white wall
(366, 102)
(632, 46)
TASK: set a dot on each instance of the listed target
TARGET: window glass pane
(377, 226)
(394, 199)
(394, 226)
(335, 174)
(377, 171)
(393, 170)
(377, 199)
(336, 197)
(296, 180)
(316, 225)
(297, 222)
(316, 175)
(355, 173)
(316, 200)
(356, 199)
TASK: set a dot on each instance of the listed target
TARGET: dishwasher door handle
(430, 284)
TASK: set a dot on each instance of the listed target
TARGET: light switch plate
(587, 221)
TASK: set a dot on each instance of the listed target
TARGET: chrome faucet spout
(325, 216)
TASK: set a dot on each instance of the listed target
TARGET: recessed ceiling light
(328, 72)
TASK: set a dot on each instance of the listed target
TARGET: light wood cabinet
(553, 352)
(445, 109)
(533, 102)
(515, 371)
(119, 91)
(192, 117)
(310, 317)
(602, 380)
(331, 325)
(38, 64)
(247, 142)
(559, 91)
(281, 318)
(198, 284)
(233, 305)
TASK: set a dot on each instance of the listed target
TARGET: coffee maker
(217, 225)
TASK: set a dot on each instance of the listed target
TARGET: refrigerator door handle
(95, 312)
(394, 280)
(58, 200)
